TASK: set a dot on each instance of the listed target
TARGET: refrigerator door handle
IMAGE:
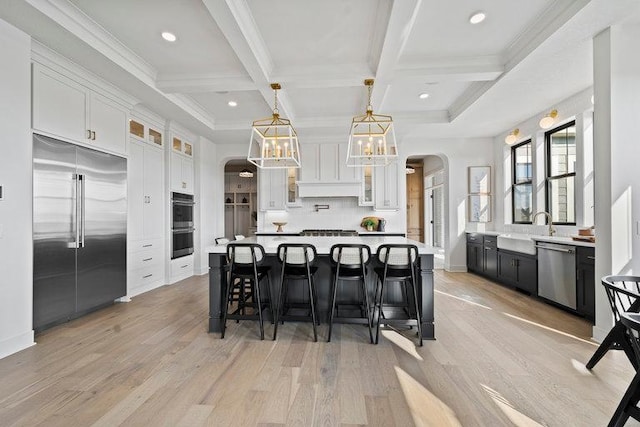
(76, 213)
(82, 180)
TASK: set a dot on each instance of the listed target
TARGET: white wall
(16, 261)
(616, 154)
(577, 107)
(457, 155)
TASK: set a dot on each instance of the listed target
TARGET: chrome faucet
(549, 220)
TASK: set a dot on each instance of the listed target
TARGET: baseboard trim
(598, 334)
(456, 268)
(202, 271)
(16, 344)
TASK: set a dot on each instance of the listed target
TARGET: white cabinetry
(181, 174)
(181, 165)
(326, 163)
(181, 268)
(66, 109)
(272, 194)
(386, 190)
(146, 217)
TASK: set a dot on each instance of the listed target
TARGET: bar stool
(298, 261)
(628, 406)
(349, 263)
(239, 290)
(623, 293)
(399, 263)
(246, 267)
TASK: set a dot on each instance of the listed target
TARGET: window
(561, 173)
(522, 184)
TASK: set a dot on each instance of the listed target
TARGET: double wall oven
(181, 225)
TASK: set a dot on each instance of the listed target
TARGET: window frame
(514, 184)
(549, 178)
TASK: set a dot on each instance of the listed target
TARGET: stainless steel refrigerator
(79, 230)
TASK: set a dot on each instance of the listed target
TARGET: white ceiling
(482, 79)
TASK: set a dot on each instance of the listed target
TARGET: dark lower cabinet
(518, 270)
(586, 282)
(482, 254)
(490, 256)
(474, 257)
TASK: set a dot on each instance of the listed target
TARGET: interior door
(54, 231)
(102, 275)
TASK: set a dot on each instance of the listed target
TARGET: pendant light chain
(275, 103)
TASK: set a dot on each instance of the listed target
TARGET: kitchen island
(218, 276)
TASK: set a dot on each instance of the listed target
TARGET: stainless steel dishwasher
(557, 273)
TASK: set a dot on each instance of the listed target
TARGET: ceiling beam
(196, 83)
(479, 68)
(235, 20)
(401, 20)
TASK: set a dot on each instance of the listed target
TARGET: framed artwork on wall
(479, 208)
(479, 179)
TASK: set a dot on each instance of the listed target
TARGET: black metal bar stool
(297, 264)
(398, 264)
(349, 264)
(246, 267)
(623, 293)
(628, 406)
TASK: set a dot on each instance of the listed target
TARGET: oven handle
(183, 230)
(182, 202)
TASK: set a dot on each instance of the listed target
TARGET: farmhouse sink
(517, 243)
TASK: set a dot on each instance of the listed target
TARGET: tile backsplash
(343, 213)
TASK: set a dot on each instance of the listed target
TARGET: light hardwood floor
(500, 359)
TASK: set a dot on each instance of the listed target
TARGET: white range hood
(328, 189)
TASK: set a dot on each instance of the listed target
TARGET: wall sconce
(549, 119)
(512, 137)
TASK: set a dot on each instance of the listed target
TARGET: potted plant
(368, 223)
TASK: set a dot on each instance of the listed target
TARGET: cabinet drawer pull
(147, 246)
(147, 276)
(184, 266)
(88, 133)
(147, 259)
(93, 135)
(591, 257)
(487, 248)
(472, 238)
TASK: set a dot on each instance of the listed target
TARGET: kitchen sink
(517, 242)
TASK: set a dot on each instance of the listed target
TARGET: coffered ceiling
(481, 79)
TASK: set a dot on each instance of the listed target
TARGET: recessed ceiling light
(232, 103)
(424, 95)
(477, 17)
(170, 37)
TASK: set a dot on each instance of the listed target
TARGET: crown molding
(193, 108)
(72, 19)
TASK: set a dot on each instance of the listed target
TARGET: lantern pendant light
(372, 140)
(274, 142)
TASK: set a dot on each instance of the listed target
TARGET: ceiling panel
(331, 102)
(324, 32)
(442, 28)
(405, 96)
(200, 47)
(251, 105)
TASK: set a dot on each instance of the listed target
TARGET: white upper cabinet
(69, 110)
(386, 188)
(272, 193)
(181, 174)
(145, 198)
(326, 163)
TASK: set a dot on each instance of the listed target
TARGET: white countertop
(323, 243)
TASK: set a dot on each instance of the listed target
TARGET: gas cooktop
(328, 232)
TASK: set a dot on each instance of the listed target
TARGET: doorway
(415, 200)
(240, 199)
(434, 196)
